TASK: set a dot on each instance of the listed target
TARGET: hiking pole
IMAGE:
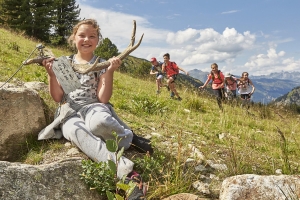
(40, 47)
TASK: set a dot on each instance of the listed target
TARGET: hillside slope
(292, 97)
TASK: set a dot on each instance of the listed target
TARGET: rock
(250, 186)
(58, 180)
(184, 196)
(196, 152)
(201, 187)
(36, 86)
(21, 114)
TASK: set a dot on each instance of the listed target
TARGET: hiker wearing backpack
(217, 78)
(230, 83)
(245, 88)
(156, 69)
(172, 70)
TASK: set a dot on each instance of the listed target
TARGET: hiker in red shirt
(217, 78)
(172, 70)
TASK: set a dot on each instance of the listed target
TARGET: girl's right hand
(47, 63)
(114, 63)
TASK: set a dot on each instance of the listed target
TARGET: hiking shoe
(157, 92)
(139, 191)
(179, 98)
(141, 144)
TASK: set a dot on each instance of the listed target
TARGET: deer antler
(96, 66)
(85, 68)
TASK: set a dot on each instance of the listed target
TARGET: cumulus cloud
(271, 62)
(207, 45)
(182, 37)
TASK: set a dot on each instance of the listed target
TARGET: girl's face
(245, 75)
(86, 39)
(214, 68)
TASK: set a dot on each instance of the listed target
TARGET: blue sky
(257, 36)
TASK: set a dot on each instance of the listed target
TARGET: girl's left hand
(114, 63)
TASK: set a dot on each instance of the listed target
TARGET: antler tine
(133, 34)
(85, 68)
(98, 66)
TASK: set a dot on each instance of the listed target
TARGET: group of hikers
(171, 69)
(224, 86)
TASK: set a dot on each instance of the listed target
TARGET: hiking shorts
(160, 77)
(245, 96)
(174, 77)
(219, 93)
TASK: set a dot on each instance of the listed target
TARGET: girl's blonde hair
(91, 22)
(214, 65)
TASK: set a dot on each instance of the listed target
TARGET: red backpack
(174, 67)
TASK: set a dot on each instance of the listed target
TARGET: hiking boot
(141, 144)
(139, 191)
(179, 98)
(157, 92)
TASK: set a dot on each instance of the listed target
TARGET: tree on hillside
(10, 13)
(66, 14)
(42, 12)
(41, 18)
(1, 11)
(107, 49)
(35, 17)
(27, 18)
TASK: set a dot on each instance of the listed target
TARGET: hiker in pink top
(230, 83)
(217, 78)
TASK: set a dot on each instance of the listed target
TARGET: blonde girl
(217, 78)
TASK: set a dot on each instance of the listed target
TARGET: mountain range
(267, 87)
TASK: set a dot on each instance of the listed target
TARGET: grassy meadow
(259, 140)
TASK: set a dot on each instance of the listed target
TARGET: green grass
(251, 144)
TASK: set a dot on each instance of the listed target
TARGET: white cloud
(207, 45)
(271, 62)
(182, 37)
(229, 12)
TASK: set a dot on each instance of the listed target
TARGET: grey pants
(89, 129)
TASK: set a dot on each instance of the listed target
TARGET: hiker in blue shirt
(156, 69)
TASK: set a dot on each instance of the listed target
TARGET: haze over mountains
(268, 87)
